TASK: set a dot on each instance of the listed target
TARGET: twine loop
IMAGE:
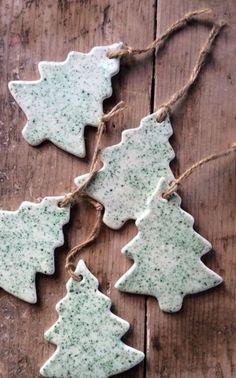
(161, 115)
(157, 43)
(174, 184)
(166, 108)
(71, 198)
(70, 265)
(115, 110)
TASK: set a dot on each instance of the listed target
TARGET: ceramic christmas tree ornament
(87, 334)
(29, 237)
(167, 255)
(131, 171)
(67, 97)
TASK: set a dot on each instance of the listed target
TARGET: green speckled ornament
(87, 334)
(167, 254)
(131, 171)
(68, 96)
(29, 237)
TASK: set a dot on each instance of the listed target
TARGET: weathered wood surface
(200, 341)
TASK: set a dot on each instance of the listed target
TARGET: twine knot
(126, 50)
(70, 199)
(67, 200)
(80, 192)
(129, 50)
(117, 108)
(70, 264)
(70, 267)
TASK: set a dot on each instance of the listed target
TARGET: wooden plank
(200, 340)
(31, 31)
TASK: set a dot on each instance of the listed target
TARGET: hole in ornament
(80, 277)
(59, 204)
(163, 196)
(75, 276)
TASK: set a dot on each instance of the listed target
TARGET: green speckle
(68, 96)
(88, 336)
(167, 254)
(132, 170)
(29, 237)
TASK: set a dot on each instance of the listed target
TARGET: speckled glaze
(131, 171)
(87, 334)
(29, 237)
(68, 96)
(167, 255)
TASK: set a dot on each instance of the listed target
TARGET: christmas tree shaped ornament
(67, 97)
(133, 167)
(29, 237)
(87, 334)
(131, 171)
(167, 254)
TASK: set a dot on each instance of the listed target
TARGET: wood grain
(200, 340)
(48, 30)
